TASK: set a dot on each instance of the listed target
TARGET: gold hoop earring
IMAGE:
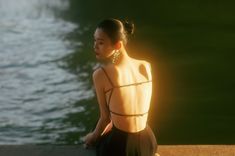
(116, 56)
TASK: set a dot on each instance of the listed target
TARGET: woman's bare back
(128, 91)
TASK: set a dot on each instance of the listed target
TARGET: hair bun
(129, 27)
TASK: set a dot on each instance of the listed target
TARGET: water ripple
(35, 93)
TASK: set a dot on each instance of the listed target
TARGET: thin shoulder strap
(107, 76)
(128, 115)
(111, 83)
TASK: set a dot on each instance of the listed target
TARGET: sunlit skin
(126, 100)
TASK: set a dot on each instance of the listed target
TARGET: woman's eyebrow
(98, 38)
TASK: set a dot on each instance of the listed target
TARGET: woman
(123, 87)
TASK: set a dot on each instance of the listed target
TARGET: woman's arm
(104, 119)
(145, 69)
(148, 70)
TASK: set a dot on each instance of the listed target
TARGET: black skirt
(120, 143)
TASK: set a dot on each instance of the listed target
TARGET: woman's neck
(123, 58)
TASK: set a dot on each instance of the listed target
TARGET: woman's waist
(129, 125)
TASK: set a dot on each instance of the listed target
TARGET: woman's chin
(103, 60)
(98, 57)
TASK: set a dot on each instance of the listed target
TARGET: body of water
(36, 93)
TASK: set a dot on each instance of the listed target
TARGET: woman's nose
(95, 46)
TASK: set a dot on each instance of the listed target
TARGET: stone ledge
(163, 150)
(196, 150)
(44, 150)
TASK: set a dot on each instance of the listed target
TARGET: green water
(191, 47)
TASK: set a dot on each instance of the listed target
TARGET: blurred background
(47, 59)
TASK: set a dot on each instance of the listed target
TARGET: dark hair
(117, 30)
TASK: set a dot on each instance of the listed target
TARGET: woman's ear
(118, 45)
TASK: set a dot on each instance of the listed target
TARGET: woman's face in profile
(103, 46)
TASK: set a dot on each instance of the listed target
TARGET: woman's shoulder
(97, 73)
(144, 67)
(103, 71)
(142, 63)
